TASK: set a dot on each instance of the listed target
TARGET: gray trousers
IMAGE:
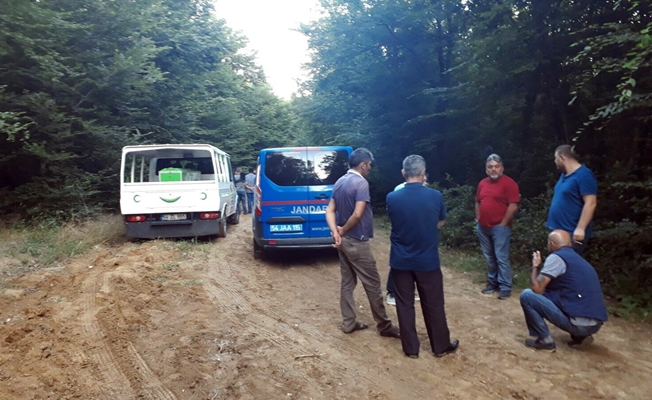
(357, 262)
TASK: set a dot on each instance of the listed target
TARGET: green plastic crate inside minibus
(172, 174)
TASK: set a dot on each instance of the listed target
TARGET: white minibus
(176, 190)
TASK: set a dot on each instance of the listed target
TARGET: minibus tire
(259, 252)
(234, 219)
(221, 230)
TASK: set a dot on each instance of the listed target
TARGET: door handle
(322, 197)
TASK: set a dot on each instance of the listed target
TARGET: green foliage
(456, 81)
(80, 80)
(47, 242)
(459, 230)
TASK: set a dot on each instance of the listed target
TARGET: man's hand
(578, 235)
(536, 259)
(337, 238)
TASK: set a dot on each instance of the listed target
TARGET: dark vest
(577, 292)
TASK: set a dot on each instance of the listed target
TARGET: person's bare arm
(477, 211)
(331, 220)
(441, 223)
(590, 204)
(538, 282)
(509, 214)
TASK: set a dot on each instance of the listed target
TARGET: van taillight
(259, 192)
(209, 215)
(135, 218)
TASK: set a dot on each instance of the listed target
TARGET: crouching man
(566, 292)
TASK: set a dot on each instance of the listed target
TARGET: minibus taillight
(135, 218)
(209, 215)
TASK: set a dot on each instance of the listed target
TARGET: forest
(451, 80)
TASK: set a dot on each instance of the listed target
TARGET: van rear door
(284, 194)
(325, 165)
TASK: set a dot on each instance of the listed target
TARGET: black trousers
(430, 285)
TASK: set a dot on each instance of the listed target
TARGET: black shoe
(578, 340)
(393, 332)
(451, 349)
(489, 289)
(537, 344)
(504, 294)
(415, 356)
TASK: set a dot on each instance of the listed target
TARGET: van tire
(259, 252)
(221, 230)
(234, 219)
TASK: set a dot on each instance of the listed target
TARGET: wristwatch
(533, 267)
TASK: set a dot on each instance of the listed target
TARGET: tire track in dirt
(313, 336)
(116, 373)
(302, 339)
(100, 354)
(146, 379)
(151, 384)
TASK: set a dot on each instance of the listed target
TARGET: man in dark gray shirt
(351, 222)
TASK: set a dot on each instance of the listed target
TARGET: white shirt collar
(356, 172)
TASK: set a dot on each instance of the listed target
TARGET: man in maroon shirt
(496, 202)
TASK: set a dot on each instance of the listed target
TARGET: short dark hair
(251, 169)
(413, 166)
(359, 156)
(567, 151)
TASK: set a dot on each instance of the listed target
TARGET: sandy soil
(178, 320)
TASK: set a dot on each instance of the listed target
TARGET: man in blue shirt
(391, 296)
(574, 200)
(350, 220)
(416, 213)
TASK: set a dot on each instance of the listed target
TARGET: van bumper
(190, 228)
(303, 243)
(280, 243)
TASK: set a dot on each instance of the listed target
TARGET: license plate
(286, 228)
(173, 217)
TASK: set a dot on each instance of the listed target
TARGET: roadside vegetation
(49, 243)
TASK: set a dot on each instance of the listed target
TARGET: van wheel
(259, 252)
(221, 230)
(234, 219)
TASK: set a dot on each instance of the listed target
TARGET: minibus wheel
(259, 252)
(221, 230)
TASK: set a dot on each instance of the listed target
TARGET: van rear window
(300, 168)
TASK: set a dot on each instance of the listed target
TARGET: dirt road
(178, 320)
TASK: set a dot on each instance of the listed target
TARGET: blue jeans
(242, 202)
(250, 202)
(538, 307)
(494, 243)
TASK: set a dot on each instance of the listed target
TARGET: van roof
(171, 148)
(298, 148)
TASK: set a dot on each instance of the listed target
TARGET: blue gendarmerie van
(293, 189)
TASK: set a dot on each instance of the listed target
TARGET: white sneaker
(391, 300)
(416, 297)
